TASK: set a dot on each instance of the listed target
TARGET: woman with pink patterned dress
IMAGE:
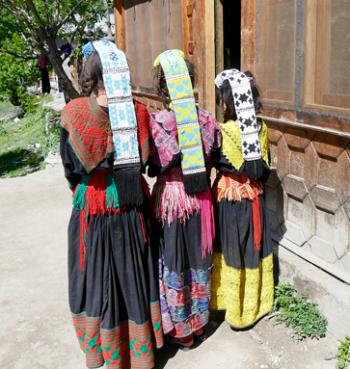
(185, 221)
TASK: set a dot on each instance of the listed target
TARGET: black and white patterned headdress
(245, 110)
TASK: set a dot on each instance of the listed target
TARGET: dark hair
(224, 96)
(161, 85)
(91, 78)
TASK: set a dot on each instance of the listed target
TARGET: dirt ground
(36, 331)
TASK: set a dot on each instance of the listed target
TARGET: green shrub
(343, 354)
(28, 102)
(299, 314)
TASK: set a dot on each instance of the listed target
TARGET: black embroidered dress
(113, 294)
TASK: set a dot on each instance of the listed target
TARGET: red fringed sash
(237, 187)
(95, 203)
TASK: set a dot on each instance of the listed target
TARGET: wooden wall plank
(119, 15)
(248, 29)
(209, 55)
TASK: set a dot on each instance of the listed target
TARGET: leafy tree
(18, 66)
(16, 73)
(29, 28)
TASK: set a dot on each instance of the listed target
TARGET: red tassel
(83, 235)
(257, 223)
(95, 196)
(142, 226)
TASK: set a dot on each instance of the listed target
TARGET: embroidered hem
(129, 345)
(184, 301)
(245, 294)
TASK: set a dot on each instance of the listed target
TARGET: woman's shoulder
(163, 114)
(71, 110)
(142, 114)
(140, 107)
(229, 125)
(263, 125)
(204, 114)
(263, 133)
(75, 103)
(206, 119)
(165, 118)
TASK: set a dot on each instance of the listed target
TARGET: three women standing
(119, 312)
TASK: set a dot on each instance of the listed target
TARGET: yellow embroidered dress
(242, 279)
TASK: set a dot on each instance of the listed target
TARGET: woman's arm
(73, 170)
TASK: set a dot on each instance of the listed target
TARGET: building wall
(146, 28)
(308, 194)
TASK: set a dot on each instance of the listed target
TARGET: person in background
(45, 80)
(113, 293)
(242, 279)
(183, 139)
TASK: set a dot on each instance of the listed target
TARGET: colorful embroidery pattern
(116, 79)
(129, 345)
(184, 300)
(89, 130)
(164, 133)
(181, 93)
(88, 333)
(245, 294)
(156, 319)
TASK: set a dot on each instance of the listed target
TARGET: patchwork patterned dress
(242, 279)
(113, 294)
(185, 223)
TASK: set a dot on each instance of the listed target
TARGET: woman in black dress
(113, 295)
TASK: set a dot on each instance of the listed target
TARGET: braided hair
(161, 85)
(91, 78)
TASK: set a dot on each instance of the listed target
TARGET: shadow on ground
(169, 351)
(19, 162)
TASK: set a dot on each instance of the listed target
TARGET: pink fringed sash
(172, 203)
(207, 222)
(171, 200)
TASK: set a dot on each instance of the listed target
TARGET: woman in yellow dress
(242, 279)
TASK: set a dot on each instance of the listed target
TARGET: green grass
(25, 144)
(297, 313)
(343, 354)
(45, 98)
(7, 108)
